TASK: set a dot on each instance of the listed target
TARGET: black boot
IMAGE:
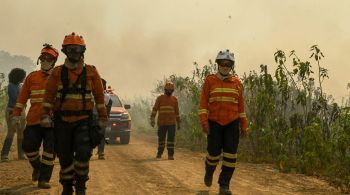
(80, 188)
(67, 187)
(44, 185)
(159, 153)
(36, 169)
(67, 190)
(208, 177)
(6, 149)
(170, 157)
(80, 192)
(101, 156)
(35, 174)
(225, 190)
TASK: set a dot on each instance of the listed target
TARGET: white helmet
(225, 55)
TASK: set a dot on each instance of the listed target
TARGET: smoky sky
(135, 43)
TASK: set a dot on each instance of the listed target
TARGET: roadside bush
(293, 123)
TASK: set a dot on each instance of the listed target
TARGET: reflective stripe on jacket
(222, 101)
(33, 89)
(73, 101)
(168, 110)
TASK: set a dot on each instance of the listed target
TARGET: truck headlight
(124, 116)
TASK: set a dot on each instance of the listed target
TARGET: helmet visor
(225, 63)
(74, 49)
(47, 58)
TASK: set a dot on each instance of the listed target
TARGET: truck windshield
(116, 101)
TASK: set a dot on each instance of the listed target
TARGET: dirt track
(133, 169)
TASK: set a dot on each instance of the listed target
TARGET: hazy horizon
(135, 43)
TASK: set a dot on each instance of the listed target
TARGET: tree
(8, 61)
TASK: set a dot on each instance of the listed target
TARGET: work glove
(152, 122)
(205, 129)
(46, 121)
(16, 122)
(244, 132)
(102, 124)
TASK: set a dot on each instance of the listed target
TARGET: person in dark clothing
(108, 103)
(16, 76)
(167, 107)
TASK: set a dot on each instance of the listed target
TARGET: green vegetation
(293, 123)
(3, 99)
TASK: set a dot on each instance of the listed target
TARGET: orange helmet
(73, 39)
(169, 86)
(49, 50)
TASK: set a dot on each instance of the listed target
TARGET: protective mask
(224, 71)
(168, 92)
(46, 66)
(74, 57)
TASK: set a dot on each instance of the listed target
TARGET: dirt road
(133, 169)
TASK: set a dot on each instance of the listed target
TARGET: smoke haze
(135, 43)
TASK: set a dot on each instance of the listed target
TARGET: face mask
(74, 56)
(224, 71)
(46, 66)
(168, 92)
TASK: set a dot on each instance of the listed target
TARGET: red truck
(119, 124)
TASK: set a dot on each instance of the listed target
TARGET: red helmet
(73, 39)
(49, 50)
(169, 86)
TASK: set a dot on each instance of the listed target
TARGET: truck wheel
(125, 138)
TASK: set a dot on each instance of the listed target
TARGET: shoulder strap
(83, 85)
(65, 84)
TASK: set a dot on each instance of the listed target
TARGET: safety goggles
(46, 58)
(74, 48)
(226, 64)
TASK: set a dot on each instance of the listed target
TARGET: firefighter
(222, 117)
(34, 135)
(168, 116)
(69, 92)
(16, 77)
